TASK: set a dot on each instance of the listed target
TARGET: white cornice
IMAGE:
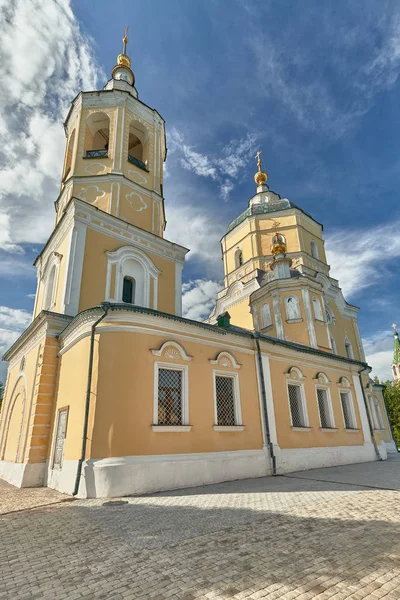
(46, 324)
(130, 234)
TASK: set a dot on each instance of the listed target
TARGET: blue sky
(315, 85)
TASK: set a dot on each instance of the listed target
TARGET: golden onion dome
(278, 244)
(260, 177)
(123, 60)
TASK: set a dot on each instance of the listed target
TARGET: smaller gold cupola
(278, 244)
(261, 176)
(122, 75)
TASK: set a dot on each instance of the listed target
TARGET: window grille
(225, 399)
(296, 406)
(169, 397)
(60, 439)
(347, 412)
(323, 405)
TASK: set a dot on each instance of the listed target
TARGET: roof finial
(261, 176)
(123, 59)
(125, 40)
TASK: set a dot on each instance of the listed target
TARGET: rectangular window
(297, 411)
(349, 421)
(225, 400)
(325, 414)
(170, 395)
(60, 438)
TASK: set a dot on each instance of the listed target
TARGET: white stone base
(391, 447)
(23, 474)
(131, 475)
(63, 479)
(301, 459)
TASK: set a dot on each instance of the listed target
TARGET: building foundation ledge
(23, 474)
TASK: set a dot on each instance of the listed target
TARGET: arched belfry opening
(97, 135)
(137, 145)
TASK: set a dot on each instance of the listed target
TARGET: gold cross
(257, 156)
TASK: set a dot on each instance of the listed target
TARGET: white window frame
(292, 319)
(352, 410)
(185, 397)
(55, 466)
(306, 426)
(314, 249)
(151, 273)
(237, 404)
(330, 408)
(333, 344)
(348, 344)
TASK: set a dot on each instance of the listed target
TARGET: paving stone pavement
(269, 538)
(14, 499)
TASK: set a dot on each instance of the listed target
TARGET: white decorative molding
(344, 382)
(99, 193)
(136, 201)
(141, 179)
(225, 359)
(228, 428)
(171, 428)
(322, 379)
(73, 272)
(95, 168)
(277, 315)
(295, 373)
(144, 271)
(173, 350)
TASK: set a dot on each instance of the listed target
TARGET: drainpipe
(368, 416)
(264, 406)
(105, 306)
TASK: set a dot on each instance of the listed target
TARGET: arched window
(49, 289)
(348, 348)
(97, 135)
(292, 308)
(238, 258)
(137, 145)
(68, 157)
(128, 290)
(317, 308)
(266, 320)
(314, 249)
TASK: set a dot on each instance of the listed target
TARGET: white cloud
(13, 321)
(364, 56)
(379, 354)
(358, 257)
(44, 62)
(199, 230)
(223, 167)
(199, 298)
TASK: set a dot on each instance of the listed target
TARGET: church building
(111, 392)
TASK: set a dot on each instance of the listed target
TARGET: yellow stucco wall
(71, 393)
(287, 437)
(94, 273)
(125, 400)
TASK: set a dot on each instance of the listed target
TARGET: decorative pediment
(321, 378)
(295, 373)
(344, 382)
(172, 351)
(225, 359)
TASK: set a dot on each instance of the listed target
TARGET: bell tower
(108, 244)
(115, 152)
